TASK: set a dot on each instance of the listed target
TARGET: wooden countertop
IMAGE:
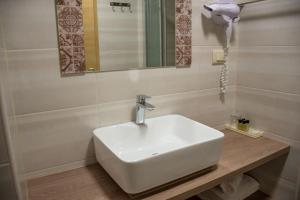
(240, 154)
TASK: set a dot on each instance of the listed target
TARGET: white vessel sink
(139, 158)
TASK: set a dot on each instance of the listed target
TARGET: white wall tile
(203, 106)
(271, 68)
(3, 146)
(38, 85)
(270, 23)
(2, 42)
(271, 111)
(56, 138)
(9, 185)
(29, 24)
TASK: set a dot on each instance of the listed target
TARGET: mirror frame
(77, 30)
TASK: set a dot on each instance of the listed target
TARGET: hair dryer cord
(224, 73)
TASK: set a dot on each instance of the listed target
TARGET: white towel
(231, 185)
(247, 187)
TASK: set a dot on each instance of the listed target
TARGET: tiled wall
(121, 36)
(56, 116)
(3, 146)
(7, 187)
(268, 85)
(7, 180)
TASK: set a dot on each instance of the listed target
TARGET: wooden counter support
(240, 154)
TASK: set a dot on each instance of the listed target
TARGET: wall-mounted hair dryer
(224, 12)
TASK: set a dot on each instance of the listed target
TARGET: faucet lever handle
(141, 98)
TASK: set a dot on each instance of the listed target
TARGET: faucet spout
(146, 106)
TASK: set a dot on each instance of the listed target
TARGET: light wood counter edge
(219, 180)
(184, 191)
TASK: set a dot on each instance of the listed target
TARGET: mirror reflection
(136, 34)
(111, 35)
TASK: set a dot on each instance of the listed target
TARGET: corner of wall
(8, 117)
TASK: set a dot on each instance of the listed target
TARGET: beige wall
(268, 84)
(3, 146)
(9, 183)
(56, 116)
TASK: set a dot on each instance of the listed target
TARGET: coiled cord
(224, 73)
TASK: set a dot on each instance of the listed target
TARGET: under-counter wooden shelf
(240, 154)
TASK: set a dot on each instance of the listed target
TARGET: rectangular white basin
(139, 158)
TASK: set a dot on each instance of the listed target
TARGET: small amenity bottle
(243, 124)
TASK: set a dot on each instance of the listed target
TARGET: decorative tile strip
(70, 36)
(183, 33)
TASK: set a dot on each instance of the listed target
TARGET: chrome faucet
(141, 107)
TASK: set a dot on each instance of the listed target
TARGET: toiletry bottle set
(243, 124)
(240, 123)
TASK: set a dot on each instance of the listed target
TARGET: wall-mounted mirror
(110, 35)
